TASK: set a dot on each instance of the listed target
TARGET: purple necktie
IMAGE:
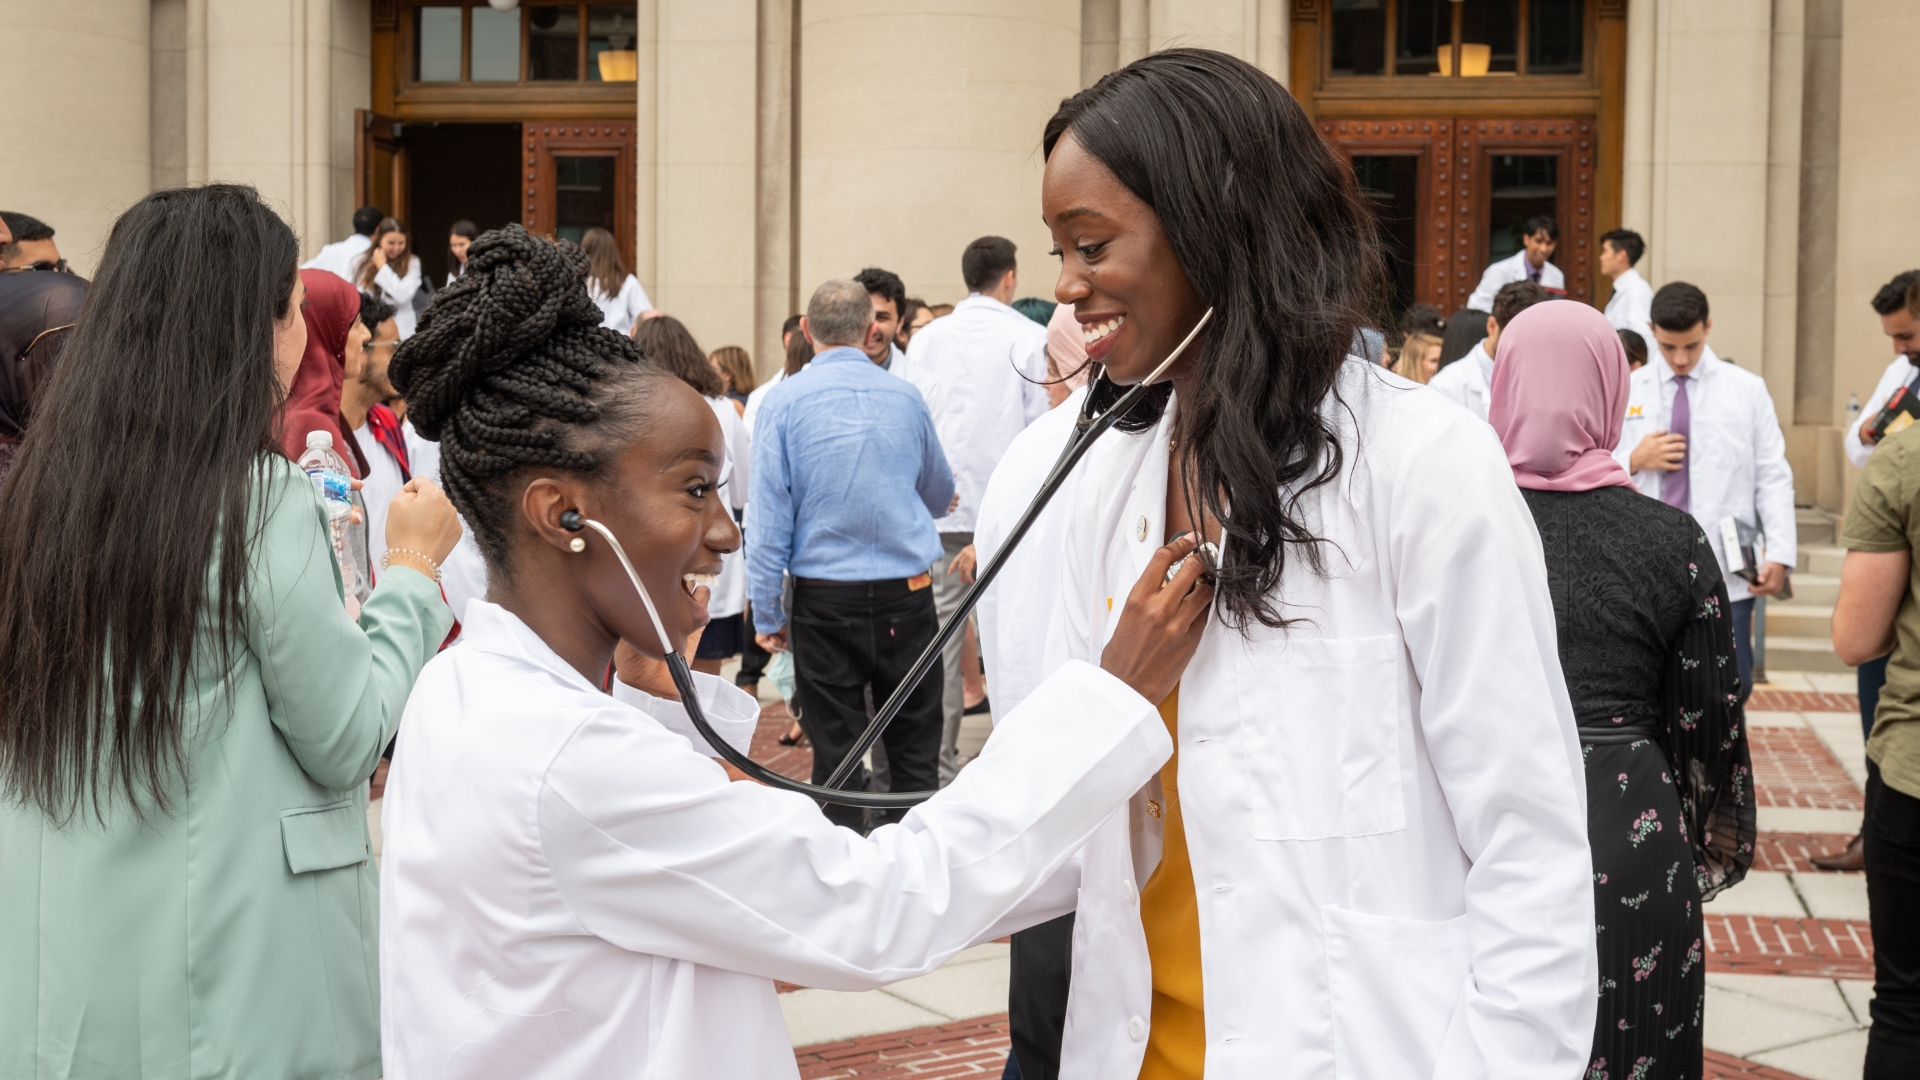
(1674, 490)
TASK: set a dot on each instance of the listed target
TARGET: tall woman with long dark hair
(188, 718)
(1368, 855)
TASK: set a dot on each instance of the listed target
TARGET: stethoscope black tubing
(1089, 429)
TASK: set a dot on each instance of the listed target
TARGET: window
(1490, 37)
(535, 43)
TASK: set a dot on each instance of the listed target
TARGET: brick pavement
(1791, 767)
(1801, 701)
(1765, 945)
(1795, 851)
(1727, 1067)
(964, 1048)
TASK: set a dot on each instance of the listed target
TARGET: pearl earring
(578, 545)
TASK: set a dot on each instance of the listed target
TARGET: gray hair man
(847, 478)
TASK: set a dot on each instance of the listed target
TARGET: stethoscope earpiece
(571, 521)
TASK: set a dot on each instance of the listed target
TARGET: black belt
(1626, 731)
(885, 589)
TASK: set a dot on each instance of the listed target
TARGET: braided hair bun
(511, 369)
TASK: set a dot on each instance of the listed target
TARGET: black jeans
(851, 636)
(1893, 904)
(1042, 971)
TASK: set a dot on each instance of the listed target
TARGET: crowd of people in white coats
(1343, 726)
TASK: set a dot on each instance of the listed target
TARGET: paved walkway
(1789, 957)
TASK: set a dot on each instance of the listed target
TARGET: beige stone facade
(782, 142)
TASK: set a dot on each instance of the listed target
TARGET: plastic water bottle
(331, 478)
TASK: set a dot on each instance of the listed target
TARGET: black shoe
(984, 706)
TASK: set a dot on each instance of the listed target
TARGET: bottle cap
(320, 438)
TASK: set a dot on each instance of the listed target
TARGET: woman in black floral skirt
(1647, 648)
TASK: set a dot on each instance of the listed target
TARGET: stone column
(1708, 173)
(703, 168)
(920, 131)
(75, 117)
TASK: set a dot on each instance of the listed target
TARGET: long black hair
(124, 525)
(1265, 221)
(510, 370)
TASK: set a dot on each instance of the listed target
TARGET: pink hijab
(1068, 346)
(1560, 397)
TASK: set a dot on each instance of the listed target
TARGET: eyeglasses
(59, 267)
(383, 344)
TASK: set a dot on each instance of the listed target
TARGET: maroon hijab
(313, 404)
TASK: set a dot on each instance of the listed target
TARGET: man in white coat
(981, 371)
(342, 257)
(1469, 380)
(1701, 436)
(1631, 305)
(1538, 237)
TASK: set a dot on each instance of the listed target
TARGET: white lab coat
(1468, 380)
(759, 394)
(1898, 374)
(341, 258)
(619, 311)
(980, 371)
(729, 595)
(398, 290)
(463, 576)
(570, 889)
(1013, 612)
(1631, 307)
(1384, 806)
(1507, 271)
(1736, 456)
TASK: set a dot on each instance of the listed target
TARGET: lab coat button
(1140, 528)
(1137, 1029)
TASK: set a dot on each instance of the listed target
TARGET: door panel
(1476, 179)
(379, 164)
(578, 176)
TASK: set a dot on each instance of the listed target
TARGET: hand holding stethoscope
(1159, 628)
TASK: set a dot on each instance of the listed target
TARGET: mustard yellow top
(1177, 1043)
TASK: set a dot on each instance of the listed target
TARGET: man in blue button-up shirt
(848, 476)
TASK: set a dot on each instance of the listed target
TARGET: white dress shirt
(570, 889)
(382, 482)
(1506, 272)
(398, 289)
(1384, 805)
(341, 258)
(1013, 612)
(619, 311)
(1631, 307)
(979, 370)
(729, 595)
(1468, 380)
(1736, 456)
(1898, 374)
(759, 394)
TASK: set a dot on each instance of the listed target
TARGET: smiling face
(1129, 294)
(394, 247)
(886, 322)
(1539, 247)
(662, 498)
(457, 246)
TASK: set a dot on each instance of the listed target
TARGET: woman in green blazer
(188, 716)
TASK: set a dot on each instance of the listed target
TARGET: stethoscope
(1092, 423)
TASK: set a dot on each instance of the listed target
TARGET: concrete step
(1799, 620)
(1802, 653)
(1821, 559)
(1814, 526)
(1822, 589)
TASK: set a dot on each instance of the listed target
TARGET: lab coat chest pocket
(1393, 986)
(1318, 720)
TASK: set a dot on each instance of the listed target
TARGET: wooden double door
(1452, 194)
(557, 178)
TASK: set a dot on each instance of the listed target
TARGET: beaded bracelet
(386, 560)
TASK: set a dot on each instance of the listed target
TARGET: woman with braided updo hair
(570, 886)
